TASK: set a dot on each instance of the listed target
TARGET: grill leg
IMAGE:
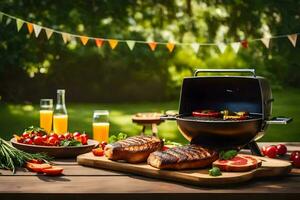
(254, 148)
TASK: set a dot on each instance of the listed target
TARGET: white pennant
(49, 32)
(195, 47)
(8, 21)
(66, 37)
(293, 39)
(266, 42)
(130, 44)
(37, 29)
(222, 47)
(235, 46)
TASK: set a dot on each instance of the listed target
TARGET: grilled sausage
(185, 157)
(133, 149)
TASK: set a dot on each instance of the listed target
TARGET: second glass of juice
(101, 125)
(46, 114)
(60, 118)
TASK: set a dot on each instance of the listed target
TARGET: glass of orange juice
(46, 113)
(101, 125)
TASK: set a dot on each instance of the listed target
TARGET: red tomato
(28, 141)
(296, 161)
(68, 136)
(98, 152)
(53, 141)
(165, 148)
(281, 149)
(39, 134)
(53, 171)
(54, 135)
(103, 144)
(25, 135)
(45, 137)
(271, 152)
(38, 140)
(84, 138)
(61, 137)
(37, 167)
(76, 134)
(293, 154)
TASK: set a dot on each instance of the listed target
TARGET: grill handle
(279, 120)
(252, 71)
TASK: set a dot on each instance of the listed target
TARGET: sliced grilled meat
(185, 157)
(133, 149)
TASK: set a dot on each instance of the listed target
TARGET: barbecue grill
(236, 93)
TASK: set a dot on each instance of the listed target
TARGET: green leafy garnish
(68, 143)
(226, 155)
(215, 171)
(115, 138)
(168, 142)
(35, 129)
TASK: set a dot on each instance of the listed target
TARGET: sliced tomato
(206, 113)
(98, 152)
(53, 171)
(37, 167)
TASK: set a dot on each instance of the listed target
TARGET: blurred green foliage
(32, 68)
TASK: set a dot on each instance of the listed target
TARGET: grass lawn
(14, 118)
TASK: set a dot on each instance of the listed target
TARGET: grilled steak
(133, 149)
(185, 157)
(239, 163)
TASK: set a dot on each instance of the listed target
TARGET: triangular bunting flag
(30, 27)
(66, 37)
(245, 44)
(235, 46)
(49, 32)
(266, 42)
(8, 21)
(113, 43)
(84, 39)
(152, 45)
(99, 42)
(130, 44)
(37, 29)
(170, 46)
(293, 39)
(19, 24)
(1, 17)
(222, 47)
(195, 47)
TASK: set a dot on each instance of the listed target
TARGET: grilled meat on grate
(185, 157)
(133, 149)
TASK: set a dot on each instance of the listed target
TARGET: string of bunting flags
(67, 37)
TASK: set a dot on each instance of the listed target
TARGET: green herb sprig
(227, 155)
(215, 171)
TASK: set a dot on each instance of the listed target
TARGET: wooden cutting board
(270, 167)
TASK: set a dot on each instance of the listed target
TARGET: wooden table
(87, 183)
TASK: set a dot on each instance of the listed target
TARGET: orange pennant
(152, 45)
(84, 39)
(99, 42)
(170, 46)
(30, 27)
(113, 43)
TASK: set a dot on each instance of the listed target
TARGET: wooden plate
(57, 152)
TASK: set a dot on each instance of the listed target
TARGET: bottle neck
(61, 98)
(60, 104)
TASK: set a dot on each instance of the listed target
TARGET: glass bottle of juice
(60, 118)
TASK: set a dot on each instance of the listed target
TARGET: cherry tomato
(38, 140)
(39, 134)
(53, 141)
(281, 149)
(37, 167)
(103, 144)
(84, 138)
(293, 154)
(53, 171)
(296, 161)
(25, 135)
(271, 152)
(54, 135)
(263, 150)
(76, 134)
(45, 137)
(165, 148)
(61, 137)
(28, 141)
(68, 136)
(98, 152)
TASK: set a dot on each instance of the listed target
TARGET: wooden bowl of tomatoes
(67, 145)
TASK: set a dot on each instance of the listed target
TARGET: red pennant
(245, 44)
(99, 42)
(152, 45)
